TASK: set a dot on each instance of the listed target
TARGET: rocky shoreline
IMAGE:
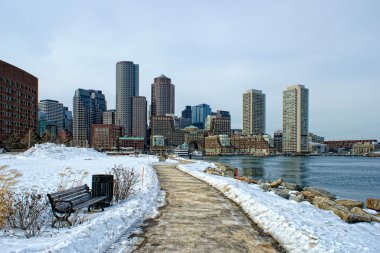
(350, 211)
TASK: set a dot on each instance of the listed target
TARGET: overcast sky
(212, 50)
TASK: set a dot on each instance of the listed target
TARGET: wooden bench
(66, 202)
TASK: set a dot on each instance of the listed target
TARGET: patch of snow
(61, 152)
(298, 227)
(40, 167)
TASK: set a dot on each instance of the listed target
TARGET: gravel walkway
(198, 218)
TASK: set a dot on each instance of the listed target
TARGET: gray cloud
(212, 50)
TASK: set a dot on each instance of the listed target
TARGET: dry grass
(8, 178)
(70, 178)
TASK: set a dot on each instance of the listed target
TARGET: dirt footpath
(198, 218)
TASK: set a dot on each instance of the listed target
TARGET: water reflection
(254, 172)
(293, 169)
(355, 178)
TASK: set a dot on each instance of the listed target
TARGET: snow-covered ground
(298, 227)
(41, 166)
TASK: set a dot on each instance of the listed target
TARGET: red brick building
(18, 101)
(137, 143)
(104, 136)
(335, 146)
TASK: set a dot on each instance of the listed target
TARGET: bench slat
(89, 202)
(68, 192)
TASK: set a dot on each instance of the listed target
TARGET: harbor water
(348, 177)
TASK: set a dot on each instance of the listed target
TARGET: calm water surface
(347, 177)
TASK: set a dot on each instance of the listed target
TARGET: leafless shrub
(26, 211)
(125, 180)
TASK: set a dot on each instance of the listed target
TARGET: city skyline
(333, 51)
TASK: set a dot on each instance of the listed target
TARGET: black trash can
(102, 185)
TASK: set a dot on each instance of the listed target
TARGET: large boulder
(343, 212)
(298, 197)
(328, 204)
(265, 187)
(276, 183)
(308, 195)
(363, 216)
(323, 203)
(213, 171)
(373, 204)
(284, 193)
(248, 180)
(350, 203)
(209, 170)
(311, 192)
(228, 173)
(291, 186)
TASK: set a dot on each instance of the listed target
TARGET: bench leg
(64, 217)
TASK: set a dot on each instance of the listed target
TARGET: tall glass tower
(127, 86)
(89, 106)
(199, 114)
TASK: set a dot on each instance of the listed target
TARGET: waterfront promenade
(198, 218)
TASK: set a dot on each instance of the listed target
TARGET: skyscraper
(253, 112)
(127, 86)
(89, 106)
(199, 114)
(139, 116)
(187, 112)
(53, 111)
(163, 96)
(295, 119)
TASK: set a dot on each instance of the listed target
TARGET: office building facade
(109, 117)
(18, 101)
(127, 86)
(254, 112)
(67, 119)
(277, 141)
(89, 106)
(199, 115)
(139, 116)
(163, 96)
(53, 111)
(295, 120)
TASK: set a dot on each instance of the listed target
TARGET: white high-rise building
(253, 112)
(295, 120)
(127, 86)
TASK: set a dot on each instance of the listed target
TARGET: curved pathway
(198, 218)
